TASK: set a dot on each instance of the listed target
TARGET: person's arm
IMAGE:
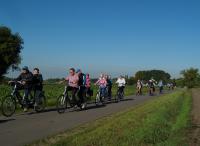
(62, 81)
(97, 82)
(117, 82)
(106, 82)
(124, 82)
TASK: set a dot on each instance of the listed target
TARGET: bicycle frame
(15, 93)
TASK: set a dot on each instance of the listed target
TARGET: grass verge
(159, 122)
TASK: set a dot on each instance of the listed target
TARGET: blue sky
(114, 36)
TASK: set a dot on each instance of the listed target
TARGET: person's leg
(81, 94)
(37, 97)
(74, 92)
(25, 98)
(110, 92)
(141, 91)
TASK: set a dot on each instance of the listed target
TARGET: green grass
(159, 122)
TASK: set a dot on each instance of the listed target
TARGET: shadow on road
(91, 105)
(5, 121)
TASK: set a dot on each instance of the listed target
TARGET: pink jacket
(102, 82)
(88, 83)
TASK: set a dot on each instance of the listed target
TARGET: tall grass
(159, 122)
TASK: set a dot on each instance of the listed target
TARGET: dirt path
(26, 128)
(195, 131)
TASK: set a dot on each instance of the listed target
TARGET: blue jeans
(102, 91)
(25, 97)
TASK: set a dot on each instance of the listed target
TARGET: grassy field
(159, 122)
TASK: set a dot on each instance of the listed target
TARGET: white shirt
(121, 82)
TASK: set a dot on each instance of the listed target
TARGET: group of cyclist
(29, 81)
(152, 84)
(79, 84)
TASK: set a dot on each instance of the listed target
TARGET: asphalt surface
(25, 128)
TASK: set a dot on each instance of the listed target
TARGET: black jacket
(82, 80)
(37, 82)
(27, 77)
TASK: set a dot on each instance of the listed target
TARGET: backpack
(82, 80)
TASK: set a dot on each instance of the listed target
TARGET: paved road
(26, 128)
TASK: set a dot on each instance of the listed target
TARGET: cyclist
(88, 85)
(82, 87)
(121, 84)
(160, 85)
(102, 85)
(72, 80)
(25, 78)
(139, 87)
(174, 84)
(109, 87)
(37, 85)
(151, 85)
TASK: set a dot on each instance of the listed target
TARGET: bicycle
(100, 99)
(65, 101)
(151, 91)
(120, 95)
(9, 103)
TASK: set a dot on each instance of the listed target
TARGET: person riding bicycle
(160, 85)
(121, 84)
(82, 88)
(72, 86)
(109, 87)
(139, 86)
(88, 85)
(25, 78)
(102, 83)
(151, 85)
(37, 85)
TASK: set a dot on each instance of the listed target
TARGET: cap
(25, 68)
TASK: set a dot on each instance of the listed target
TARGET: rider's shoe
(83, 106)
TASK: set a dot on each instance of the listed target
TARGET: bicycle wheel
(8, 106)
(41, 105)
(61, 104)
(117, 97)
(97, 99)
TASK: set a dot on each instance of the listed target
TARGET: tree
(10, 49)
(156, 74)
(190, 77)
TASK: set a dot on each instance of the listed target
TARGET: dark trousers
(82, 94)
(37, 95)
(109, 91)
(74, 91)
(121, 89)
(25, 97)
(161, 89)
